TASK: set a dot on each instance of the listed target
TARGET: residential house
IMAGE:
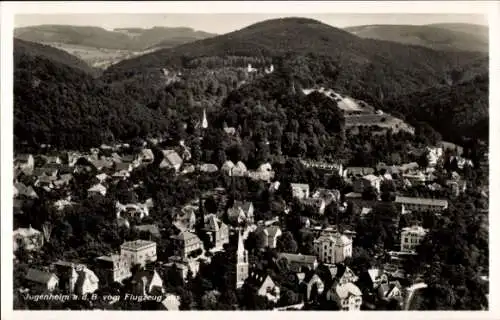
(51, 159)
(21, 190)
(375, 277)
(365, 211)
(46, 182)
(269, 236)
(357, 171)
(317, 205)
(420, 204)
(25, 162)
(187, 244)
(433, 155)
(171, 302)
(264, 285)
(43, 281)
(102, 177)
(241, 212)
(413, 178)
(411, 238)
(251, 69)
(408, 167)
(300, 190)
(239, 170)
(47, 170)
(133, 209)
(29, 239)
(368, 181)
(76, 278)
(328, 195)
(230, 131)
(343, 274)
(185, 151)
(299, 262)
(208, 167)
(186, 220)
(100, 164)
(183, 266)
(146, 156)
(274, 186)
(152, 229)
(72, 157)
(114, 268)
(333, 248)
(457, 186)
(309, 282)
(138, 252)
(63, 203)
(97, 189)
(188, 168)
(390, 291)
(131, 159)
(330, 167)
(264, 172)
(64, 180)
(171, 160)
(347, 296)
(123, 170)
(147, 282)
(217, 231)
(227, 167)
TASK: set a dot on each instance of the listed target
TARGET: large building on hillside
(420, 204)
(139, 252)
(411, 238)
(333, 248)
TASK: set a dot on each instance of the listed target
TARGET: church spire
(241, 262)
(204, 123)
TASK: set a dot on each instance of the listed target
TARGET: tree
(286, 243)
(370, 193)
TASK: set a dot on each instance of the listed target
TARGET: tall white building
(411, 238)
(333, 248)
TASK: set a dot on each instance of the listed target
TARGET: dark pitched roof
(256, 278)
(38, 276)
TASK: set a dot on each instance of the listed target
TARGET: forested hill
(57, 103)
(461, 110)
(137, 39)
(388, 68)
(25, 48)
(438, 37)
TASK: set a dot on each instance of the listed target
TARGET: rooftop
(292, 257)
(137, 244)
(39, 276)
(422, 201)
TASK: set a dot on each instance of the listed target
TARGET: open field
(97, 57)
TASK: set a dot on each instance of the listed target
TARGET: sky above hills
(223, 23)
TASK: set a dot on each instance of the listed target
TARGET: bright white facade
(411, 238)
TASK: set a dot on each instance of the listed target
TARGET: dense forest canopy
(460, 110)
(156, 93)
(24, 48)
(446, 37)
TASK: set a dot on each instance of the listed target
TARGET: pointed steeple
(204, 123)
(241, 262)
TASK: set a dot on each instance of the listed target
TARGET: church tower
(204, 123)
(241, 262)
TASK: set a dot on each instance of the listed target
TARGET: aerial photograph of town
(244, 162)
